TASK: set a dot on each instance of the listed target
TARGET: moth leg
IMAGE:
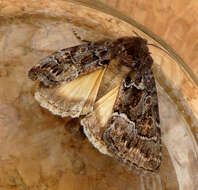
(87, 35)
(80, 34)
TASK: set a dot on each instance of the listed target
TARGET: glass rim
(97, 5)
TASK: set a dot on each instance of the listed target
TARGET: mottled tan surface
(39, 150)
(42, 151)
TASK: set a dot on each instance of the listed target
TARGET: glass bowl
(41, 151)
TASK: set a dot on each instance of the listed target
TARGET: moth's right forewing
(132, 134)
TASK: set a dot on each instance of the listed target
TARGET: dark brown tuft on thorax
(133, 52)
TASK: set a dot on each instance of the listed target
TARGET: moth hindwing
(132, 133)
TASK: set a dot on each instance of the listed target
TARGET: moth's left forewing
(70, 78)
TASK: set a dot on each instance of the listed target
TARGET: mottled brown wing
(67, 64)
(132, 134)
(70, 78)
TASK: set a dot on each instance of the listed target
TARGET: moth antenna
(136, 33)
(150, 44)
(157, 47)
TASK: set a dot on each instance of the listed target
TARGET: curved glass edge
(170, 51)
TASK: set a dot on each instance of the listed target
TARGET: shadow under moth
(124, 123)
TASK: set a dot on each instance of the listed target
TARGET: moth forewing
(95, 122)
(71, 99)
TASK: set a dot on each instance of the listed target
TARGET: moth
(125, 122)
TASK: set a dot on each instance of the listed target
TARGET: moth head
(133, 52)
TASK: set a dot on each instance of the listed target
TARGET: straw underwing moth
(124, 123)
